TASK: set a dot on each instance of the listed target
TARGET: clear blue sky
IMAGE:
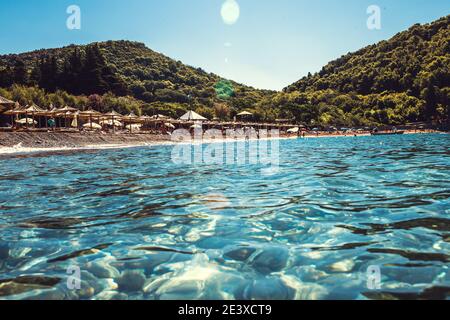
(272, 44)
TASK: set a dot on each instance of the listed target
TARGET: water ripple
(141, 227)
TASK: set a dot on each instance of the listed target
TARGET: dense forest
(404, 79)
(121, 74)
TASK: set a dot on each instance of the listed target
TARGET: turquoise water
(139, 226)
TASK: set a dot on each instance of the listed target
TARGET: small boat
(387, 133)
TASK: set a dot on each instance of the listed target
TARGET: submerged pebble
(240, 254)
(270, 260)
(268, 289)
(102, 270)
(131, 280)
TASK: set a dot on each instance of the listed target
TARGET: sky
(267, 44)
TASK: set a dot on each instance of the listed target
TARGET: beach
(74, 139)
(34, 141)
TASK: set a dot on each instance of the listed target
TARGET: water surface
(139, 226)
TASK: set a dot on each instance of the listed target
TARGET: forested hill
(401, 80)
(415, 62)
(124, 68)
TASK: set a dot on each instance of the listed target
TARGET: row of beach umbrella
(96, 120)
(112, 118)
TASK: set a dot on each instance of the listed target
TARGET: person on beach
(51, 123)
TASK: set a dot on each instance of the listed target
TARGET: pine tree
(49, 74)
(35, 75)
(20, 74)
(91, 77)
(6, 77)
(72, 68)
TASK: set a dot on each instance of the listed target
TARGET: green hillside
(125, 69)
(400, 80)
(406, 78)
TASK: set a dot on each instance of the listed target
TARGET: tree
(95, 102)
(222, 111)
(6, 77)
(91, 76)
(73, 66)
(20, 74)
(429, 95)
(49, 73)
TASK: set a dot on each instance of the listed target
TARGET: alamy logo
(242, 146)
(374, 20)
(74, 20)
(74, 278)
(374, 278)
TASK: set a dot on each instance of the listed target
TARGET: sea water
(340, 218)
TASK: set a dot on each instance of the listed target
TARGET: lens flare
(230, 12)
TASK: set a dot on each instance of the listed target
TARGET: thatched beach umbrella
(192, 116)
(5, 103)
(145, 119)
(34, 110)
(90, 114)
(244, 115)
(52, 112)
(67, 109)
(114, 115)
(14, 112)
(65, 112)
(132, 118)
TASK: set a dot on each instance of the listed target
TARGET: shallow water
(139, 226)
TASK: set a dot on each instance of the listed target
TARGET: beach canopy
(17, 110)
(26, 121)
(192, 116)
(90, 113)
(53, 110)
(113, 113)
(33, 109)
(66, 109)
(5, 102)
(92, 125)
(132, 117)
(244, 113)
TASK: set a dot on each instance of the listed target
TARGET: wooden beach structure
(69, 119)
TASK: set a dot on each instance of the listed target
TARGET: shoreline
(35, 142)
